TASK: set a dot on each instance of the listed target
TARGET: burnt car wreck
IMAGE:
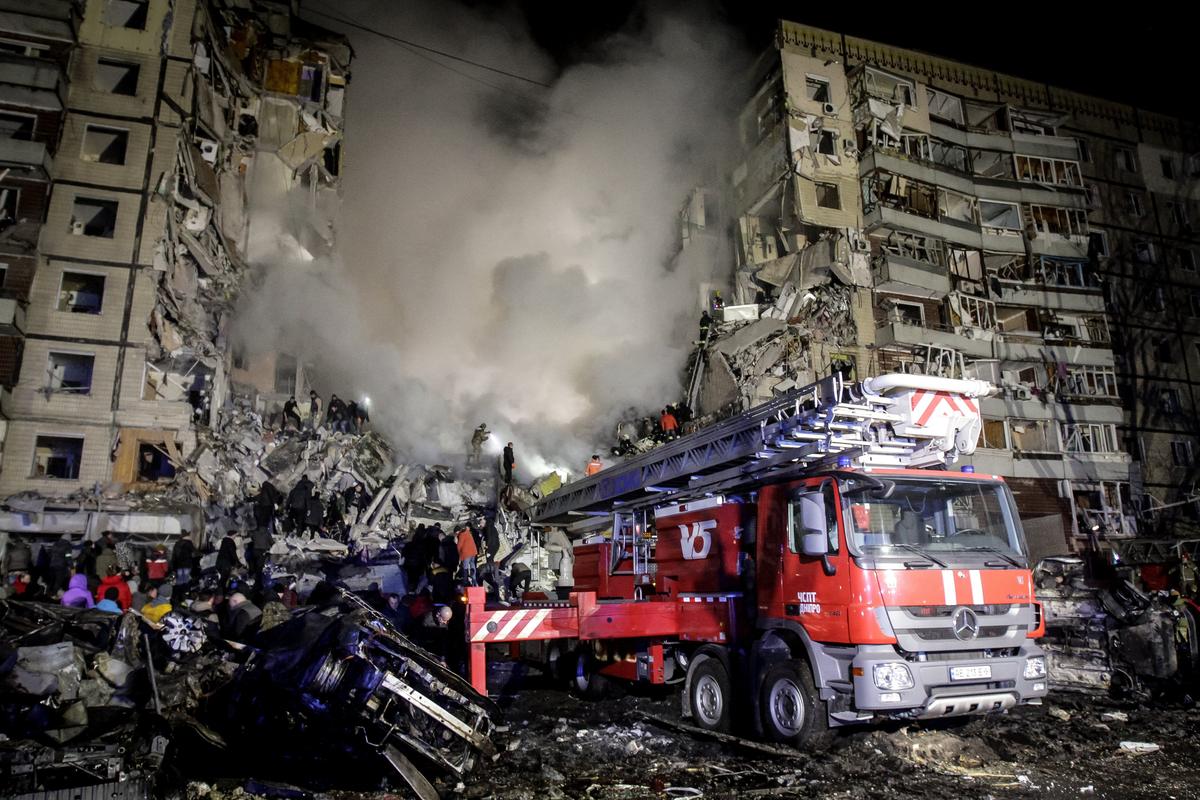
(125, 709)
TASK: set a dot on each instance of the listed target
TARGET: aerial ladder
(899, 420)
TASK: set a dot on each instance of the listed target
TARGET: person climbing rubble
(510, 461)
(468, 552)
(291, 415)
(594, 466)
(298, 501)
(706, 321)
(478, 438)
(314, 410)
(336, 415)
(668, 424)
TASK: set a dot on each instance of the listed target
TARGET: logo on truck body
(696, 542)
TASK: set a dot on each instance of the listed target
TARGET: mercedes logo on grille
(966, 624)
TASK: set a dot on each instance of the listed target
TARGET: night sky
(1100, 49)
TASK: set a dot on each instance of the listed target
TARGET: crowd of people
(339, 416)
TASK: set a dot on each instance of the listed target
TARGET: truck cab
(897, 593)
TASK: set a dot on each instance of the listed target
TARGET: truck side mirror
(814, 543)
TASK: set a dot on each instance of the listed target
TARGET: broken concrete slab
(749, 335)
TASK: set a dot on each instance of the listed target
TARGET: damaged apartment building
(132, 134)
(894, 211)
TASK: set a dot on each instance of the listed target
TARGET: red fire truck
(811, 563)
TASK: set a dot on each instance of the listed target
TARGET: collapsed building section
(886, 219)
(127, 381)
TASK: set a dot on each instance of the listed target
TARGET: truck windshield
(941, 518)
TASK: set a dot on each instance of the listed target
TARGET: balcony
(910, 276)
(1033, 347)
(1066, 411)
(12, 317)
(960, 234)
(1052, 466)
(30, 157)
(968, 341)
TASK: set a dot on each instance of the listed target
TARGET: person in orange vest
(467, 552)
(594, 466)
(668, 423)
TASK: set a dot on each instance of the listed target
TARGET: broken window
(817, 89)
(17, 126)
(966, 263)
(827, 142)
(1194, 303)
(153, 463)
(891, 88)
(944, 106)
(1158, 299)
(1063, 272)
(1033, 436)
(81, 293)
(1181, 452)
(1035, 169)
(1088, 381)
(946, 154)
(1060, 221)
(104, 145)
(828, 196)
(907, 313)
(956, 207)
(1000, 217)
(972, 312)
(1023, 120)
(1089, 437)
(92, 216)
(311, 82)
(69, 372)
(1098, 243)
(116, 77)
(1085, 152)
(844, 365)
(1126, 159)
(3, 273)
(130, 14)
(993, 434)
(57, 457)
(1168, 167)
(1143, 252)
(914, 246)
(1095, 328)
(992, 164)
(1133, 204)
(285, 374)
(1093, 195)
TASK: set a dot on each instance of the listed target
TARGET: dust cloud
(503, 250)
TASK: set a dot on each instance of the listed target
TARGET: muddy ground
(558, 746)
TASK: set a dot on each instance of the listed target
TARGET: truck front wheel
(710, 694)
(790, 707)
(586, 680)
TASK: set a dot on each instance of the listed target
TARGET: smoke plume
(503, 250)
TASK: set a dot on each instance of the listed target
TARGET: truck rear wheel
(790, 707)
(710, 694)
(586, 680)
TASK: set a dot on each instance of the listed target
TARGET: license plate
(970, 673)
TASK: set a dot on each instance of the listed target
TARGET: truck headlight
(1035, 667)
(891, 677)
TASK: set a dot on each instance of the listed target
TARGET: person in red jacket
(115, 581)
(668, 423)
(467, 551)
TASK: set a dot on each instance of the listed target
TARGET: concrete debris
(1139, 748)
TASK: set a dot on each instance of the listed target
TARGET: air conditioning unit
(76, 227)
(829, 110)
(862, 245)
(1021, 393)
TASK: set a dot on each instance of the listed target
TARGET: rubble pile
(106, 697)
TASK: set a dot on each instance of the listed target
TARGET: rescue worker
(243, 617)
(433, 632)
(157, 564)
(705, 324)
(668, 423)
(564, 570)
(478, 438)
(183, 554)
(594, 466)
(510, 461)
(718, 302)
(336, 416)
(59, 567)
(361, 417)
(159, 604)
(1179, 606)
(227, 558)
(106, 559)
(468, 551)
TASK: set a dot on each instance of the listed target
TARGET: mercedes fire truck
(808, 564)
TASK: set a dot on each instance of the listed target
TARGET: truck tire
(710, 695)
(791, 708)
(587, 682)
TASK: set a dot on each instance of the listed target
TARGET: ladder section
(891, 420)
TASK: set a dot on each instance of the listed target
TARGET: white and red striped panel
(516, 625)
(925, 404)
